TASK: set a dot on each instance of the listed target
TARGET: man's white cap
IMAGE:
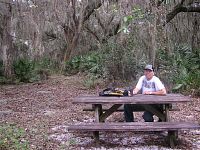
(149, 67)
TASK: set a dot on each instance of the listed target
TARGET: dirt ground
(44, 110)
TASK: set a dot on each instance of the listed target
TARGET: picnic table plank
(135, 126)
(136, 99)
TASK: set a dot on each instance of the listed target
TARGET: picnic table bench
(145, 102)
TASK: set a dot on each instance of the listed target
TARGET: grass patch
(12, 138)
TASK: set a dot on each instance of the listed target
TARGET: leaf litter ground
(44, 110)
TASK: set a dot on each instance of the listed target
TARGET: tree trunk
(7, 45)
(153, 33)
(71, 37)
(196, 27)
(72, 34)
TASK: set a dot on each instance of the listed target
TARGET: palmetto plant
(181, 68)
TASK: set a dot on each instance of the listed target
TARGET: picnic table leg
(172, 138)
(109, 112)
(98, 112)
(167, 116)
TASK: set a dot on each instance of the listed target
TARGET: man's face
(149, 74)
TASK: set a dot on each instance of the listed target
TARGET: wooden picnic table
(145, 101)
(142, 100)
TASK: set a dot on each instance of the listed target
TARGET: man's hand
(131, 93)
(134, 92)
(160, 92)
(148, 93)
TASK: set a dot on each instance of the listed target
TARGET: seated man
(150, 85)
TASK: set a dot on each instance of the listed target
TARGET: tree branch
(114, 29)
(100, 23)
(160, 2)
(194, 7)
(182, 1)
(4, 2)
(110, 19)
(90, 8)
(6, 9)
(74, 13)
(93, 33)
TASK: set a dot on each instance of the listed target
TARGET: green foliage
(188, 68)
(4, 80)
(23, 69)
(135, 15)
(46, 63)
(12, 138)
(43, 68)
(182, 67)
(31, 71)
(90, 82)
(113, 61)
(90, 63)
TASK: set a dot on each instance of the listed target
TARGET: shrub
(23, 69)
(3, 80)
(90, 63)
(30, 71)
(188, 68)
(47, 64)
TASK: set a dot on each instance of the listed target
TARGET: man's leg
(148, 116)
(128, 113)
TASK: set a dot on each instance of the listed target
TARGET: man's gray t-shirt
(149, 85)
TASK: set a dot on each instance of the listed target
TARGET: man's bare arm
(160, 92)
(135, 91)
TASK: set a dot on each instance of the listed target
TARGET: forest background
(109, 40)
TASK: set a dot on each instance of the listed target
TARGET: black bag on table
(114, 92)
